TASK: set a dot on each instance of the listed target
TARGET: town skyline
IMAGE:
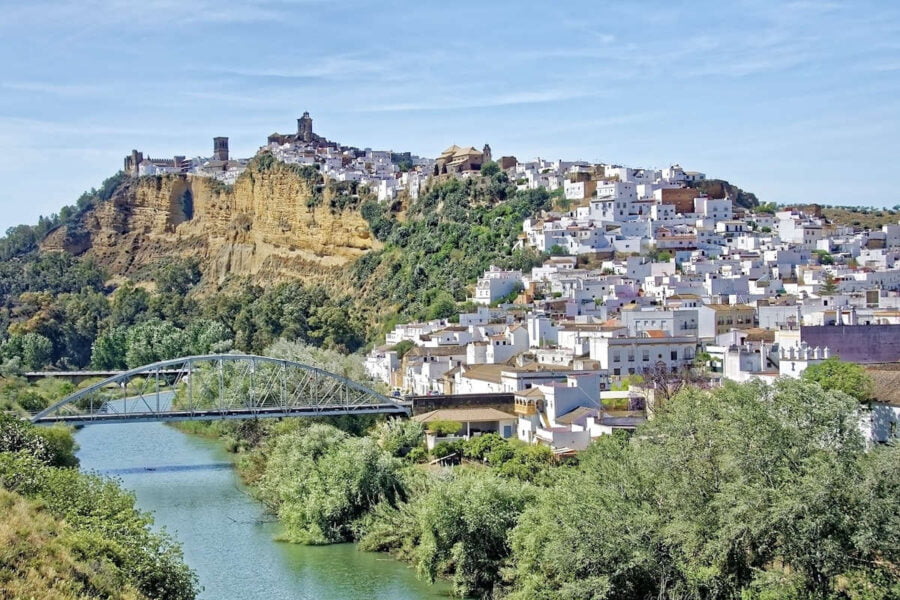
(781, 99)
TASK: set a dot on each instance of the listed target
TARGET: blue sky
(795, 101)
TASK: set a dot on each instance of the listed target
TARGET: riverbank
(681, 508)
(328, 486)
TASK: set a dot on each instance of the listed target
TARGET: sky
(796, 101)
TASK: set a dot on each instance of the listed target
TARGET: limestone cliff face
(270, 225)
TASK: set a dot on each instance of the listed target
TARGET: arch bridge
(219, 386)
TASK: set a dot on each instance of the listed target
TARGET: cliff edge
(276, 222)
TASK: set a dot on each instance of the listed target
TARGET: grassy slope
(42, 558)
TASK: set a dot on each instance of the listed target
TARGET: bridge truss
(219, 386)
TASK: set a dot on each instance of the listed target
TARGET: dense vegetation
(69, 535)
(449, 236)
(56, 310)
(748, 491)
(59, 314)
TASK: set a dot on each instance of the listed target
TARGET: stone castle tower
(220, 148)
(304, 128)
(486, 152)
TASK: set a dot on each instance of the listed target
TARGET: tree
(824, 257)
(490, 168)
(463, 525)
(836, 375)
(444, 427)
(683, 509)
(442, 307)
(35, 350)
(398, 437)
(178, 276)
(402, 347)
(153, 341)
(322, 482)
(109, 349)
(829, 288)
(667, 383)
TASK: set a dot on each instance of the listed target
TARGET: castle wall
(856, 343)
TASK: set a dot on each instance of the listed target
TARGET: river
(190, 486)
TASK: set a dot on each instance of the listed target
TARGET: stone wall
(856, 343)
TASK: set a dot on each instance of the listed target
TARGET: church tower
(220, 148)
(487, 153)
(304, 128)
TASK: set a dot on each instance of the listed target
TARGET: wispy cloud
(457, 102)
(323, 67)
(146, 13)
(56, 89)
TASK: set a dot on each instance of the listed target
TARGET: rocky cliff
(275, 222)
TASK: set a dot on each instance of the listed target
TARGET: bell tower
(305, 128)
(220, 148)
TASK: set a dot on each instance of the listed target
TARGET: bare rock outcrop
(272, 224)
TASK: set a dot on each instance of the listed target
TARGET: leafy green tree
(178, 276)
(398, 437)
(490, 168)
(829, 287)
(35, 350)
(528, 461)
(153, 341)
(479, 448)
(206, 336)
(684, 510)
(444, 427)
(463, 526)
(442, 307)
(322, 482)
(849, 378)
(130, 305)
(402, 347)
(109, 349)
(110, 530)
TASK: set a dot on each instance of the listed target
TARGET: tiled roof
(464, 415)
(576, 414)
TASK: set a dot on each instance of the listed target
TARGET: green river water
(189, 485)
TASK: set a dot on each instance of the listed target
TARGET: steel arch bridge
(219, 386)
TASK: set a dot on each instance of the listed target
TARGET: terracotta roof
(729, 307)
(656, 333)
(464, 415)
(755, 334)
(438, 351)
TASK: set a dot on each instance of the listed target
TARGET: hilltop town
(652, 278)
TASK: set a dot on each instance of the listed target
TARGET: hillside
(860, 217)
(144, 269)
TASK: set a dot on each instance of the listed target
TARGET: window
(646, 356)
(674, 354)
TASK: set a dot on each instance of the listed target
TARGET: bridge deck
(217, 415)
